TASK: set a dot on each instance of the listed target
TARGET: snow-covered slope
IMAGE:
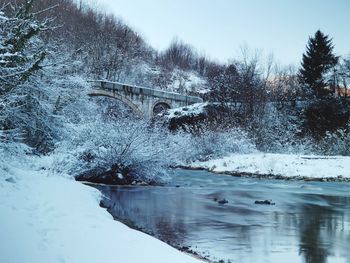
(285, 165)
(51, 218)
(189, 111)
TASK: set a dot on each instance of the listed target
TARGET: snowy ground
(285, 165)
(189, 111)
(51, 218)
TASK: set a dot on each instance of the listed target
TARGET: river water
(310, 221)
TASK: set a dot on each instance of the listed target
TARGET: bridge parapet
(107, 85)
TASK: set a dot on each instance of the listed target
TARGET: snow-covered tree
(23, 115)
(21, 54)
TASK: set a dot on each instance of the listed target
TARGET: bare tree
(179, 55)
(344, 77)
(252, 83)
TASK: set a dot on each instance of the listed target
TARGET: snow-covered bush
(336, 143)
(96, 138)
(277, 130)
(139, 150)
(215, 144)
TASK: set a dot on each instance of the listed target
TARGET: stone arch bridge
(145, 102)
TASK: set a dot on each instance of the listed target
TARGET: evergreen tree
(317, 62)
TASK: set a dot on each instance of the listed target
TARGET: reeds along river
(310, 221)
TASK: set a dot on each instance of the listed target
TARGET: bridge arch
(160, 106)
(115, 95)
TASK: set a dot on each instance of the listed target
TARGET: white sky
(219, 28)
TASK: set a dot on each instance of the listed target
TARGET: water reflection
(144, 209)
(310, 222)
(321, 228)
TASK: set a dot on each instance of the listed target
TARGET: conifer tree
(318, 60)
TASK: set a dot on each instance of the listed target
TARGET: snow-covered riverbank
(307, 167)
(51, 218)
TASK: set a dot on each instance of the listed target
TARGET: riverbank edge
(338, 179)
(52, 208)
(186, 250)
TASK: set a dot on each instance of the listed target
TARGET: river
(310, 221)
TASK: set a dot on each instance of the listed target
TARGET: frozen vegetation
(51, 132)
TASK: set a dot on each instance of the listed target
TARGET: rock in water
(222, 201)
(264, 202)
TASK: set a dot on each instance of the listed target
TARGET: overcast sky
(220, 27)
